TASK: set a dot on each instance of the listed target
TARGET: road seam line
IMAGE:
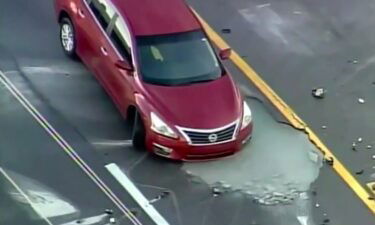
(289, 114)
(67, 148)
(14, 184)
(130, 187)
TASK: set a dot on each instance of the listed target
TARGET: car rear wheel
(138, 132)
(67, 37)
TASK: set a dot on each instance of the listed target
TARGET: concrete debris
(277, 194)
(112, 220)
(304, 195)
(108, 211)
(226, 31)
(227, 186)
(221, 187)
(261, 201)
(318, 92)
(354, 61)
(217, 191)
(354, 145)
(361, 100)
(249, 193)
(275, 198)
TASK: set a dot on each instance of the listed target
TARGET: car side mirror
(124, 65)
(225, 53)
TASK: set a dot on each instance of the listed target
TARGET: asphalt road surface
(279, 177)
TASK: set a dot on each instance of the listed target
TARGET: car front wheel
(138, 132)
(67, 37)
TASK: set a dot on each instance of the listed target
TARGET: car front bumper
(180, 149)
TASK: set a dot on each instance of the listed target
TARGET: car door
(120, 81)
(96, 20)
(90, 23)
(112, 45)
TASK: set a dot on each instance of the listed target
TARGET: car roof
(156, 17)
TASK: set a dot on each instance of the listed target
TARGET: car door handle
(81, 13)
(104, 51)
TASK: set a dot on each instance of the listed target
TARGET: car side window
(103, 11)
(113, 25)
(120, 37)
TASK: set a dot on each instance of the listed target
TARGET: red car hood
(202, 106)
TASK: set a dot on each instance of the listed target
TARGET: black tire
(138, 133)
(71, 51)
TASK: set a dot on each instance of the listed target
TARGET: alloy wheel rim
(67, 37)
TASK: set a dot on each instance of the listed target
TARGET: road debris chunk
(354, 61)
(226, 31)
(354, 145)
(359, 172)
(318, 93)
(108, 211)
(112, 220)
(329, 161)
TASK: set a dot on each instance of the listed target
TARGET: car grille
(209, 137)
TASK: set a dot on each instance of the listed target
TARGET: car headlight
(246, 117)
(160, 127)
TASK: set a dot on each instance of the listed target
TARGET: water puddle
(276, 168)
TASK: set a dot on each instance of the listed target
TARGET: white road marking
(136, 194)
(113, 143)
(33, 206)
(68, 149)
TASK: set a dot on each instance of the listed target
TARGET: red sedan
(157, 64)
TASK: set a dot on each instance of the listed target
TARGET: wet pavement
(50, 180)
(297, 46)
(278, 178)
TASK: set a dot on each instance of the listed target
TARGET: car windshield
(177, 59)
